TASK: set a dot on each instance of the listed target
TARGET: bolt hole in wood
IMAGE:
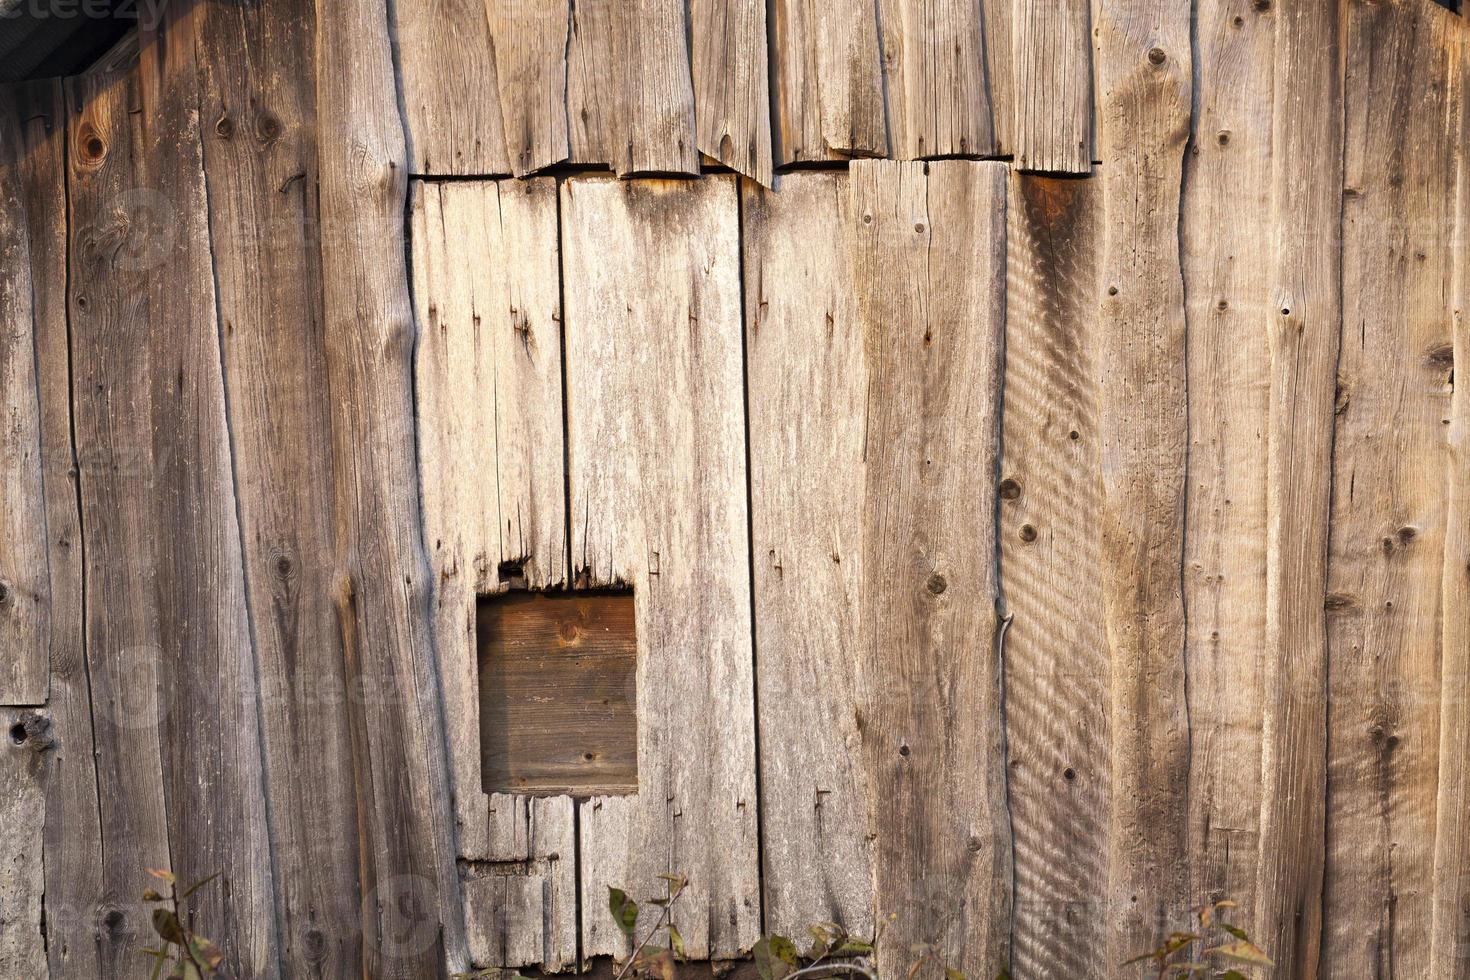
(558, 693)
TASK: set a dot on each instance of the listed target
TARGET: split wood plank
(530, 38)
(452, 107)
(258, 125)
(24, 740)
(1056, 662)
(526, 915)
(115, 248)
(934, 63)
(1450, 921)
(1304, 330)
(488, 382)
(1144, 99)
(732, 101)
(630, 97)
(1386, 566)
(928, 266)
(807, 390)
(25, 587)
(999, 17)
(1053, 85)
(654, 368)
(73, 836)
(829, 80)
(1225, 228)
(412, 921)
(214, 779)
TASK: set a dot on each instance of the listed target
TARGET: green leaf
(198, 885)
(1241, 952)
(854, 947)
(676, 942)
(1232, 975)
(950, 973)
(1235, 931)
(771, 957)
(785, 950)
(166, 924)
(624, 909)
(206, 953)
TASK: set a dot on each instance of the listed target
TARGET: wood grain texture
(1224, 229)
(999, 20)
(1056, 662)
(630, 97)
(1144, 98)
(732, 100)
(488, 378)
(73, 838)
(1304, 329)
(928, 263)
(1053, 86)
(25, 586)
(653, 333)
(934, 65)
(1450, 920)
(258, 123)
(530, 39)
(214, 780)
(113, 250)
(450, 89)
(526, 915)
(23, 742)
(1386, 564)
(828, 74)
(412, 922)
(806, 392)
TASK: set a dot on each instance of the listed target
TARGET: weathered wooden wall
(1052, 524)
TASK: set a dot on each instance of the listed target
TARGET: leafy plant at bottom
(191, 955)
(1222, 947)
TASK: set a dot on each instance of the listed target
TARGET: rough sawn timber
(828, 75)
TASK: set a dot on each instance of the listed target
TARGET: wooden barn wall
(1029, 429)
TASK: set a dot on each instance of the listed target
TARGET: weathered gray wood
(630, 98)
(1056, 662)
(25, 586)
(214, 781)
(732, 100)
(1053, 85)
(73, 838)
(934, 63)
(514, 918)
(1144, 96)
(260, 163)
(452, 115)
(998, 18)
(928, 262)
(1386, 564)
(1224, 230)
(530, 38)
(654, 368)
(24, 740)
(1304, 329)
(829, 80)
(807, 389)
(1450, 923)
(412, 922)
(114, 228)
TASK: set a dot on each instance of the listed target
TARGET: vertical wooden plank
(73, 837)
(732, 100)
(807, 388)
(25, 588)
(446, 62)
(1450, 923)
(630, 98)
(1144, 98)
(488, 385)
(928, 262)
(258, 124)
(412, 923)
(1304, 328)
(1386, 565)
(934, 62)
(829, 80)
(1053, 86)
(998, 17)
(1225, 228)
(654, 367)
(530, 38)
(214, 782)
(114, 250)
(23, 741)
(1056, 662)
